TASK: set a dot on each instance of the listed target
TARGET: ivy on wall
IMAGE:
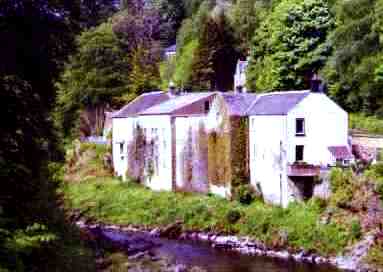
(228, 160)
(142, 156)
(219, 162)
(218, 156)
(194, 161)
(239, 151)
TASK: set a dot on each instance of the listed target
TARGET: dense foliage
(36, 36)
(290, 45)
(96, 74)
(353, 69)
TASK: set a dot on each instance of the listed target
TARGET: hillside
(285, 41)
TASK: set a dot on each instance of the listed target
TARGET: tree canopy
(290, 45)
(353, 71)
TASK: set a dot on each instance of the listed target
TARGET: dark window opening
(299, 153)
(207, 106)
(121, 148)
(300, 126)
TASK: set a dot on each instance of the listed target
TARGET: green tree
(353, 70)
(93, 77)
(215, 57)
(290, 45)
(244, 19)
(183, 69)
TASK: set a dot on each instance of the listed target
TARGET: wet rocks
(242, 245)
(172, 231)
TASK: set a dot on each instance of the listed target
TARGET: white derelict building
(281, 142)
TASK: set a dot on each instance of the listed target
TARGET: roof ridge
(252, 104)
(284, 92)
(173, 98)
(153, 92)
(125, 106)
(288, 97)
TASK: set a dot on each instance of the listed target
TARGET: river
(199, 254)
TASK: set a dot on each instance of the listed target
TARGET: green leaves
(96, 74)
(290, 45)
(353, 69)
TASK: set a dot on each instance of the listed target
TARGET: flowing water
(204, 256)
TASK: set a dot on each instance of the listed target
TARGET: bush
(233, 216)
(340, 179)
(341, 187)
(356, 229)
(375, 174)
(244, 194)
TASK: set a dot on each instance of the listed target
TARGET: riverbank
(304, 232)
(191, 253)
(298, 227)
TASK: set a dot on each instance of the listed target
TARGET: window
(121, 148)
(299, 153)
(300, 127)
(207, 106)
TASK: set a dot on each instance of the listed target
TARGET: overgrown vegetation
(298, 226)
(369, 124)
(85, 160)
(375, 255)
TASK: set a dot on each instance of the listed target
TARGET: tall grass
(298, 226)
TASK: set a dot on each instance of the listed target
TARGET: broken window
(299, 153)
(300, 126)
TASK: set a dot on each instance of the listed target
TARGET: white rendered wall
(122, 132)
(326, 124)
(268, 157)
(191, 138)
(158, 127)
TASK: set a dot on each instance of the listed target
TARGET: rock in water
(172, 231)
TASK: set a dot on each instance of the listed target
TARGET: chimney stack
(172, 88)
(315, 84)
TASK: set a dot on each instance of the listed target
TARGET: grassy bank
(298, 226)
(369, 124)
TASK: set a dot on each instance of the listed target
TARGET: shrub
(244, 194)
(341, 187)
(233, 216)
(375, 174)
(356, 229)
(340, 179)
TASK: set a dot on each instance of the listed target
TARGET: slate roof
(141, 103)
(238, 103)
(340, 152)
(276, 103)
(176, 103)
